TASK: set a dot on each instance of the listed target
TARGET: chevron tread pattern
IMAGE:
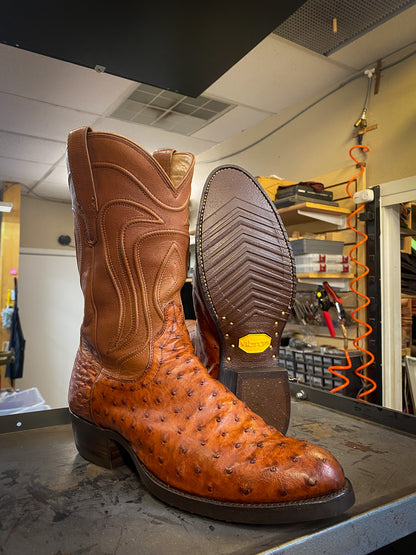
(247, 262)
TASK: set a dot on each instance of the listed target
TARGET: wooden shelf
(307, 211)
(407, 232)
(336, 281)
(320, 330)
(324, 275)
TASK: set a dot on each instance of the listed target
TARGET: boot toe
(276, 471)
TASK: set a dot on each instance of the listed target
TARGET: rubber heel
(265, 390)
(95, 445)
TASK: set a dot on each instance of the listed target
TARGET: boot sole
(247, 275)
(104, 448)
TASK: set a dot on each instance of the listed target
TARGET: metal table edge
(30, 420)
(362, 533)
(376, 414)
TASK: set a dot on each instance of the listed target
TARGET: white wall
(43, 221)
(50, 309)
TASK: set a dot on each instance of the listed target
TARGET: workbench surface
(54, 502)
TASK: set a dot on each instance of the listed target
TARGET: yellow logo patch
(254, 342)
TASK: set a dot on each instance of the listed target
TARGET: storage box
(311, 367)
(299, 189)
(321, 258)
(300, 199)
(320, 246)
(28, 400)
(322, 267)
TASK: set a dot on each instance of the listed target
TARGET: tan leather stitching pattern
(158, 168)
(171, 270)
(142, 186)
(119, 270)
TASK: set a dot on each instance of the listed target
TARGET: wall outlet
(362, 197)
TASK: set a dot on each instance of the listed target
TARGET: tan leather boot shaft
(125, 202)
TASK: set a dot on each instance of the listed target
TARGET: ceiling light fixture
(6, 206)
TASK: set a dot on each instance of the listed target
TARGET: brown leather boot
(136, 382)
(244, 287)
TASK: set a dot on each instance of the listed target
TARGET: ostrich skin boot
(244, 287)
(136, 382)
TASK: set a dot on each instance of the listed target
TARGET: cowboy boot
(136, 383)
(244, 287)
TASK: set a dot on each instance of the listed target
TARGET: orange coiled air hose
(369, 329)
(333, 371)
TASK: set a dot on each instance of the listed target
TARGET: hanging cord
(362, 121)
(312, 105)
(357, 371)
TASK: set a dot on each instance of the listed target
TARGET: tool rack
(53, 501)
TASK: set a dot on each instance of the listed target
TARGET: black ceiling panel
(180, 46)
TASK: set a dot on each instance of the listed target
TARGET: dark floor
(404, 545)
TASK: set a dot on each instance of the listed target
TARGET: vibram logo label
(254, 342)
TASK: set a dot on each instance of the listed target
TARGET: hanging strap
(15, 292)
(83, 180)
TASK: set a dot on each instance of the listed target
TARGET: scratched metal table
(54, 502)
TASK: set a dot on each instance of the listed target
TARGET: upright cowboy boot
(244, 287)
(136, 382)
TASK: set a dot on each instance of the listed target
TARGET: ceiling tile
(38, 77)
(59, 174)
(231, 123)
(30, 148)
(21, 171)
(276, 74)
(39, 119)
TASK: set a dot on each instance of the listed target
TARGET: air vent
(311, 26)
(168, 110)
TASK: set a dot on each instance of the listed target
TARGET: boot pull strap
(164, 158)
(83, 180)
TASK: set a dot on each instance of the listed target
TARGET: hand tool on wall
(327, 298)
(325, 304)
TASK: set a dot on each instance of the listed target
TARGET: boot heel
(265, 390)
(95, 445)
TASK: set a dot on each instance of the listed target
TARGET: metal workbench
(54, 502)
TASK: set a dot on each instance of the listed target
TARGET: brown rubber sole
(245, 266)
(103, 447)
(246, 271)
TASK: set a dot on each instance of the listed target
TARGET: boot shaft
(131, 232)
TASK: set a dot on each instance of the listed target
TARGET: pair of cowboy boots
(137, 384)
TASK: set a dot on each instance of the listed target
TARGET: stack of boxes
(312, 368)
(320, 256)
